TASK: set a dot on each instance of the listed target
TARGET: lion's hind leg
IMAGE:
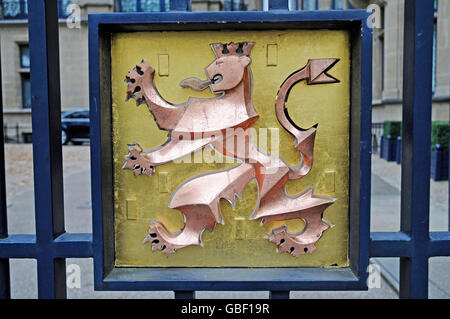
(305, 206)
(199, 199)
(197, 219)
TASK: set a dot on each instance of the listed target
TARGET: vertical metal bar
(417, 66)
(47, 151)
(162, 6)
(180, 5)
(181, 294)
(5, 285)
(279, 295)
(51, 278)
(278, 4)
(4, 263)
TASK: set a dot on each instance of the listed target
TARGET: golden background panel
(240, 242)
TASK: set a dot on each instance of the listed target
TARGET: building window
(24, 56)
(143, 5)
(293, 4)
(234, 5)
(26, 90)
(309, 5)
(338, 4)
(24, 52)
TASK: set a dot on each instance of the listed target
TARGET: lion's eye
(133, 158)
(217, 78)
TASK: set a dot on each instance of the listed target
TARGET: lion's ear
(244, 60)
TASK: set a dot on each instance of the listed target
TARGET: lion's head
(227, 71)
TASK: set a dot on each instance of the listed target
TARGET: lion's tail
(314, 73)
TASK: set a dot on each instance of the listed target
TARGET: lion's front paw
(137, 79)
(137, 162)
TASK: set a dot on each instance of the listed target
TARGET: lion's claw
(137, 78)
(290, 244)
(138, 163)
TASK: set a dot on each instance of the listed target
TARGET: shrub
(439, 135)
(392, 129)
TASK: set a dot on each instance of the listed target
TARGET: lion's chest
(212, 115)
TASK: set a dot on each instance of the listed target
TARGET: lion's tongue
(195, 84)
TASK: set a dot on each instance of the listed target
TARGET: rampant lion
(218, 122)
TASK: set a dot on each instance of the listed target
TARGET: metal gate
(51, 245)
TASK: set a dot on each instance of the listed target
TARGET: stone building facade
(15, 62)
(388, 62)
(387, 52)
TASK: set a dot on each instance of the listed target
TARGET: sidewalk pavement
(385, 217)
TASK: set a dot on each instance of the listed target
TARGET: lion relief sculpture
(219, 122)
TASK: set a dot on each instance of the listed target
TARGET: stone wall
(387, 95)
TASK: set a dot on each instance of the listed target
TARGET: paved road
(385, 217)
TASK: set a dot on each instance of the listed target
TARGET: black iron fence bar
(279, 294)
(416, 140)
(399, 244)
(390, 244)
(65, 246)
(182, 5)
(439, 244)
(181, 294)
(279, 5)
(47, 150)
(414, 244)
(4, 262)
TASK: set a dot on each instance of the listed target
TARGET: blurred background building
(387, 52)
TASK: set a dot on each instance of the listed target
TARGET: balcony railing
(18, 9)
(143, 5)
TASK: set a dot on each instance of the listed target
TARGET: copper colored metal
(220, 122)
(314, 73)
(306, 206)
(199, 201)
(195, 84)
(136, 162)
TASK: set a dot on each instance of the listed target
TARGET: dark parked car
(75, 126)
